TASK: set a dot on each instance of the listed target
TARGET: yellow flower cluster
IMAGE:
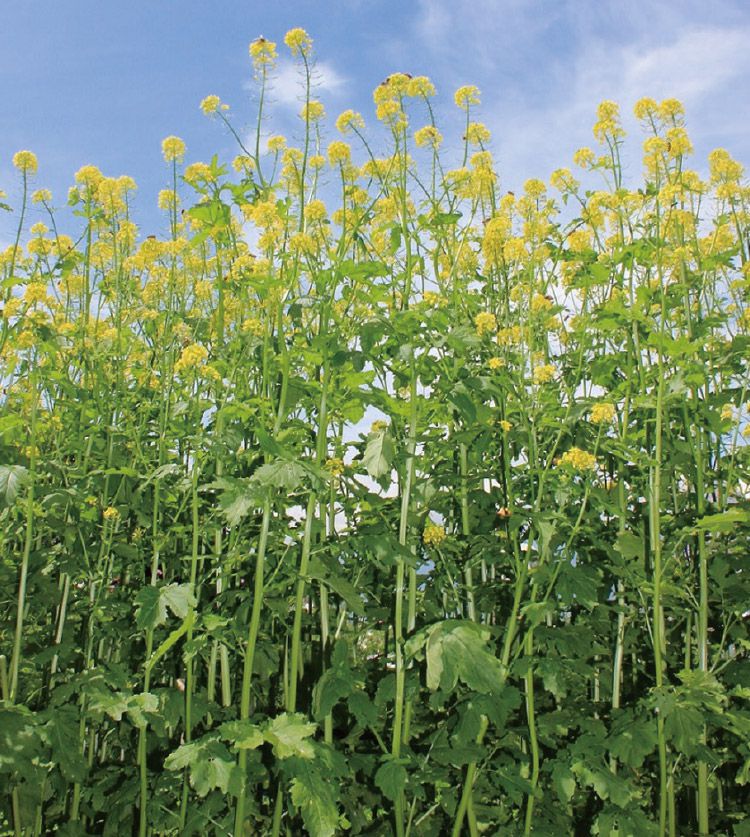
(496, 363)
(173, 150)
(335, 466)
(543, 374)
(212, 104)
(298, 41)
(111, 513)
(191, 357)
(466, 96)
(349, 121)
(433, 535)
(602, 413)
(26, 162)
(262, 53)
(428, 137)
(485, 323)
(579, 459)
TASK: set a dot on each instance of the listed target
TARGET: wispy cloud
(543, 68)
(287, 85)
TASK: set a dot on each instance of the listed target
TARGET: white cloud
(542, 72)
(287, 86)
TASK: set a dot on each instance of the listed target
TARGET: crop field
(374, 499)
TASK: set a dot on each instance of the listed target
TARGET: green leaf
(12, 479)
(282, 475)
(379, 454)
(725, 521)
(178, 598)
(242, 734)
(391, 779)
(564, 782)
(152, 610)
(313, 795)
(457, 650)
(287, 734)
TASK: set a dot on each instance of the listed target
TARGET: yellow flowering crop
(485, 323)
(262, 53)
(173, 149)
(191, 357)
(466, 96)
(602, 413)
(433, 535)
(298, 41)
(26, 162)
(579, 459)
(543, 374)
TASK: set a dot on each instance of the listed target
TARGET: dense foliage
(424, 516)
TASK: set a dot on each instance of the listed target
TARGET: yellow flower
(477, 134)
(671, 109)
(428, 137)
(111, 513)
(433, 299)
(579, 459)
(433, 534)
(41, 196)
(543, 374)
(26, 162)
(496, 363)
(192, 356)
(348, 121)
(276, 143)
(339, 153)
(335, 466)
(420, 86)
(505, 425)
(88, 176)
(584, 158)
(379, 426)
(198, 171)
(298, 41)
(173, 149)
(312, 111)
(602, 413)
(466, 96)
(485, 322)
(211, 105)
(262, 52)
(727, 413)
(646, 109)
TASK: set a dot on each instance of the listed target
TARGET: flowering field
(375, 500)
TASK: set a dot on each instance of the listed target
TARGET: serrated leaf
(242, 735)
(725, 521)
(178, 598)
(282, 475)
(287, 734)
(379, 454)
(391, 779)
(315, 799)
(152, 609)
(457, 650)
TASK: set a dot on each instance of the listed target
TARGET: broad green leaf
(282, 475)
(313, 795)
(379, 454)
(178, 598)
(724, 521)
(152, 609)
(564, 782)
(287, 734)
(242, 735)
(391, 779)
(457, 650)
(12, 479)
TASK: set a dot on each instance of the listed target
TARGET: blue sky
(103, 82)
